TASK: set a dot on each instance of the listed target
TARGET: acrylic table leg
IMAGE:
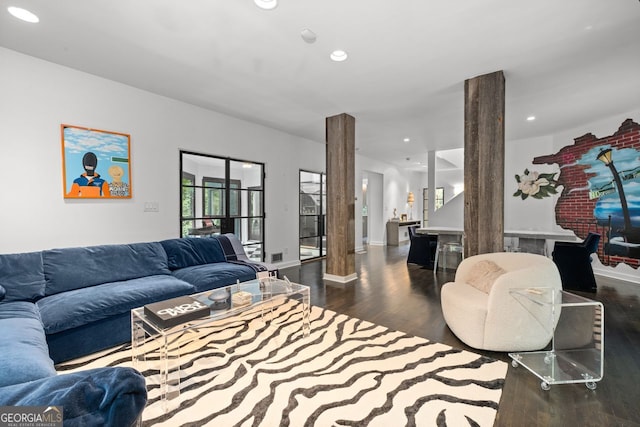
(169, 371)
(138, 357)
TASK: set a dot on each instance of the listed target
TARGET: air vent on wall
(276, 257)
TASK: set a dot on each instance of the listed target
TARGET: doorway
(365, 211)
(373, 225)
(222, 195)
(312, 215)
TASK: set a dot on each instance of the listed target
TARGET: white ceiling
(568, 62)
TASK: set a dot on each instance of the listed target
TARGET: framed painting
(95, 163)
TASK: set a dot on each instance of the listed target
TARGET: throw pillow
(483, 274)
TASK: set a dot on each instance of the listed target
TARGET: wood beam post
(340, 132)
(484, 163)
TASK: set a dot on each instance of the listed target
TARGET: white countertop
(566, 236)
(440, 230)
(530, 234)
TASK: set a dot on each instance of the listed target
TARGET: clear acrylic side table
(577, 346)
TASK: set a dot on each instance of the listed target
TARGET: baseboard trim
(287, 264)
(618, 275)
(621, 271)
(339, 279)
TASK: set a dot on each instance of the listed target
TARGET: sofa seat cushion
(19, 309)
(187, 252)
(113, 396)
(24, 354)
(74, 308)
(211, 276)
(75, 268)
(22, 276)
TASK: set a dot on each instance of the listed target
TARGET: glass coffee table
(577, 347)
(156, 346)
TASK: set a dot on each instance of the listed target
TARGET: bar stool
(444, 249)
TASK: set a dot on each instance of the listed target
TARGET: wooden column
(484, 164)
(341, 266)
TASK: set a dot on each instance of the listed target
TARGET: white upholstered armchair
(492, 319)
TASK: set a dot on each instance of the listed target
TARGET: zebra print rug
(347, 372)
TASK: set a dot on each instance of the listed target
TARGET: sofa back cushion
(187, 252)
(75, 268)
(22, 277)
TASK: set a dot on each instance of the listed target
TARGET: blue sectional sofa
(59, 304)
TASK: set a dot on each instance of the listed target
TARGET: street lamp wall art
(615, 183)
(599, 186)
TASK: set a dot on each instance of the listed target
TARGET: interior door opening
(312, 215)
(221, 195)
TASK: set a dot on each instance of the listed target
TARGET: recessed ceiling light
(406, 139)
(23, 14)
(531, 118)
(308, 35)
(338, 55)
(266, 4)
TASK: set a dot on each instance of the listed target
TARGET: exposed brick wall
(574, 204)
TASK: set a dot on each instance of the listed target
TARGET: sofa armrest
(113, 396)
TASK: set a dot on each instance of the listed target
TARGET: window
(213, 194)
(312, 215)
(221, 195)
(188, 200)
(439, 202)
(425, 207)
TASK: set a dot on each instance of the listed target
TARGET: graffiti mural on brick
(601, 186)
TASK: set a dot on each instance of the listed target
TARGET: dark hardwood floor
(407, 298)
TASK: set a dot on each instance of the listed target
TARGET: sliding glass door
(313, 213)
(221, 195)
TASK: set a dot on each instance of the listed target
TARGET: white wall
(376, 208)
(375, 204)
(449, 215)
(38, 96)
(531, 213)
(395, 188)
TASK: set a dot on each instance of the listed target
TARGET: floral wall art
(535, 184)
(600, 179)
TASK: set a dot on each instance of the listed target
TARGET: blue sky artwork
(110, 149)
(603, 187)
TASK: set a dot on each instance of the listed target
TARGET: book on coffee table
(175, 311)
